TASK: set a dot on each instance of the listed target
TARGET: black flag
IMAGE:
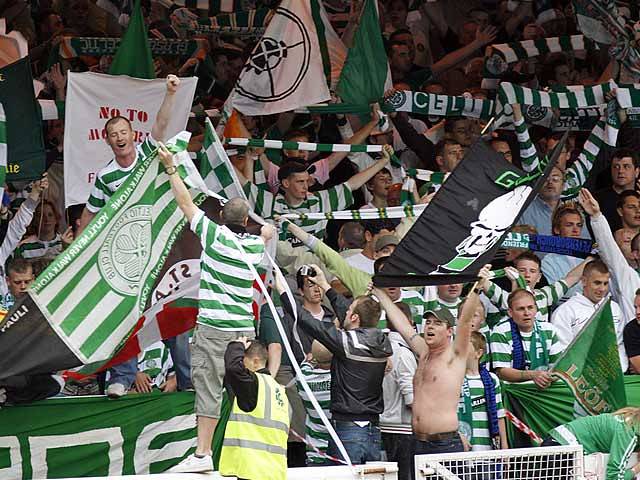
(465, 222)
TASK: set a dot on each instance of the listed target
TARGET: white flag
(285, 70)
(93, 98)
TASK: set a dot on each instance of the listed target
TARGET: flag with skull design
(465, 222)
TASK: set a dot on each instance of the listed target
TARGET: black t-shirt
(631, 336)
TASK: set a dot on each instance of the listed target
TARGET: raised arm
(401, 323)
(357, 138)
(608, 249)
(528, 152)
(183, 198)
(484, 36)
(159, 129)
(353, 278)
(463, 328)
(19, 223)
(575, 273)
(359, 179)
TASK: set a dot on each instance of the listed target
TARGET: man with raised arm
(441, 369)
(121, 139)
(625, 280)
(224, 303)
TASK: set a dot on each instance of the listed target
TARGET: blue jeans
(125, 373)
(363, 444)
(450, 445)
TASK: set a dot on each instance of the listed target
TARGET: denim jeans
(451, 445)
(399, 448)
(363, 444)
(125, 373)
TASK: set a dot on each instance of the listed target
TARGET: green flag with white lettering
(591, 366)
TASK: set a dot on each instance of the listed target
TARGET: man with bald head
(224, 302)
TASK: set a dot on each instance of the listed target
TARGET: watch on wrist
(171, 170)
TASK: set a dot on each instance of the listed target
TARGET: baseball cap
(442, 314)
(384, 241)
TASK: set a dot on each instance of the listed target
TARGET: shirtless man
(440, 373)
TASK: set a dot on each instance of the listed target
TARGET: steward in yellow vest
(255, 439)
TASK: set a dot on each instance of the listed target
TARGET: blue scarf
(517, 353)
(537, 357)
(490, 399)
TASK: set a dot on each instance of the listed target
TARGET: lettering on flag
(92, 99)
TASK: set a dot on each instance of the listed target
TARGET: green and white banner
(95, 436)
(82, 308)
(590, 365)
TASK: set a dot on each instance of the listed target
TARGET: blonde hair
(630, 415)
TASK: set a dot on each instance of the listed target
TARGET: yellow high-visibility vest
(255, 443)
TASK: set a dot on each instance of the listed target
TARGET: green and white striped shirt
(109, 179)
(413, 298)
(267, 205)
(546, 297)
(319, 381)
(33, 247)
(481, 436)
(156, 362)
(226, 283)
(433, 302)
(502, 344)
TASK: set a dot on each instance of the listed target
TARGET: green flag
(591, 366)
(22, 123)
(133, 57)
(365, 75)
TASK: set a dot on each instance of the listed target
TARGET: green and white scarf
(71, 47)
(307, 146)
(500, 56)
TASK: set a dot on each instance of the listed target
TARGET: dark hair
(368, 310)
(353, 234)
(513, 296)
(384, 170)
(443, 143)
(397, 33)
(300, 277)
(295, 133)
(595, 266)
(395, 43)
(622, 197)
(376, 226)
(289, 168)
(256, 349)
(527, 255)
(19, 265)
(625, 152)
